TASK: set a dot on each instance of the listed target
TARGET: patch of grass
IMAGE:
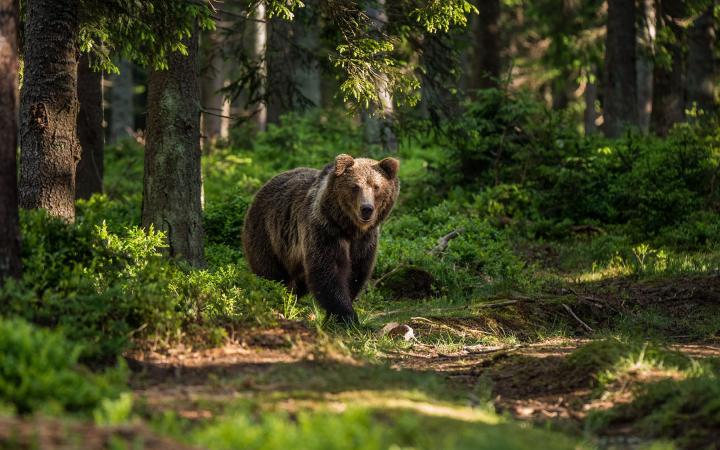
(396, 425)
(610, 359)
(686, 411)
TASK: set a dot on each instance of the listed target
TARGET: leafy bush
(39, 371)
(104, 289)
(101, 288)
(530, 163)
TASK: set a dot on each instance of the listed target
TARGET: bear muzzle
(366, 212)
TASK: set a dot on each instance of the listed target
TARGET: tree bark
(122, 113)
(9, 223)
(668, 79)
(486, 60)
(644, 63)
(90, 131)
(620, 87)
(213, 101)
(172, 181)
(701, 74)
(49, 107)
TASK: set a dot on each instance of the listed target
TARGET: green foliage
(308, 140)
(441, 15)
(143, 31)
(544, 173)
(39, 371)
(101, 288)
(226, 295)
(480, 256)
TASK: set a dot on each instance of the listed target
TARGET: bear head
(365, 189)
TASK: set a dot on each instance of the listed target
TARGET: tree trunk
(590, 115)
(90, 131)
(213, 101)
(281, 65)
(668, 79)
(644, 63)
(259, 45)
(486, 64)
(49, 107)
(122, 113)
(620, 88)
(379, 121)
(9, 223)
(701, 75)
(308, 71)
(172, 181)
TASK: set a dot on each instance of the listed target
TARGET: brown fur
(317, 230)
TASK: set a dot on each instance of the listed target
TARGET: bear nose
(366, 211)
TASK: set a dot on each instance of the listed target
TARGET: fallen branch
(443, 242)
(570, 311)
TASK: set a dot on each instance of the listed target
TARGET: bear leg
(328, 276)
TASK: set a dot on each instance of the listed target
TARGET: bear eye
(376, 186)
(356, 187)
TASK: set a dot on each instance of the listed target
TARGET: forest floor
(293, 367)
(482, 367)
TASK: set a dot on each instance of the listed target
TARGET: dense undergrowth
(537, 206)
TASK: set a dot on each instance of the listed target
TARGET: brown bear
(317, 230)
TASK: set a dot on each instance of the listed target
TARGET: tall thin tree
(701, 62)
(9, 224)
(620, 108)
(486, 45)
(49, 107)
(211, 82)
(669, 74)
(122, 114)
(259, 48)
(172, 180)
(90, 130)
(644, 62)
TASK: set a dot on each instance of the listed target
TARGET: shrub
(101, 288)
(480, 256)
(39, 370)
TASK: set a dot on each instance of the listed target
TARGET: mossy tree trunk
(172, 181)
(49, 107)
(90, 131)
(9, 228)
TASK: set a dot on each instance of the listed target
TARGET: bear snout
(366, 211)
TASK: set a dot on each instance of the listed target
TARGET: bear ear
(342, 162)
(390, 166)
